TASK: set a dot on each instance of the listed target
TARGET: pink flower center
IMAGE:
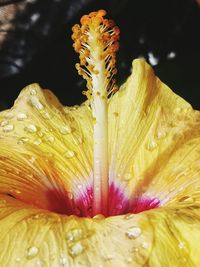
(118, 203)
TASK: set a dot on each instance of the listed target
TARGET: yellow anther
(96, 41)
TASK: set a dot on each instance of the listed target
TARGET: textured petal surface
(154, 139)
(46, 157)
(45, 149)
(161, 237)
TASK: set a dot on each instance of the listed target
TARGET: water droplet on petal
(135, 249)
(22, 140)
(119, 207)
(145, 245)
(109, 257)
(78, 140)
(70, 195)
(151, 145)
(181, 245)
(18, 259)
(99, 217)
(50, 139)
(40, 133)
(127, 176)
(9, 115)
(39, 263)
(76, 249)
(133, 232)
(4, 123)
(8, 128)
(80, 186)
(35, 102)
(46, 116)
(63, 260)
(30, 128)
(32, 159)
(21, 116)
(32, 252)
(33, 92)
(75, 234)
(65, 129)
(69, 154)
(129, 260)
(15, 191)
(128, 216)
(37, 141)
(161, 134)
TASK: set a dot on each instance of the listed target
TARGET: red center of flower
(118, 203)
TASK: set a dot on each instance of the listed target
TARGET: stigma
(96, 41)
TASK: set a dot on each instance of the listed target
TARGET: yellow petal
(161, 237)
(44, 147)
(33, 237)
(154, 139)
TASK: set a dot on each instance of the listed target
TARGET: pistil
(96, 40)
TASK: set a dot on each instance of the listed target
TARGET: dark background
(36, 46)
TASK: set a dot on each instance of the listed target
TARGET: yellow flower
(142, 171)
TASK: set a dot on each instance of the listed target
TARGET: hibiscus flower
(113, 182)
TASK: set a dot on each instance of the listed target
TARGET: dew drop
(9, 115)
(99, 217)
(76, 211)
(129, 260)
(69, 154)
(21, 116)
(4, 123)
(33, 92)
(75, 234)
(145, 245)
(181, 245)
(22, 140)
(70, 195)
(63, 260)
(78, 140)
(151, 145)
(32, 159)
(30, 128)
(18, 259)
(161, 134)
(39, 263)
(50, 139)
(40, 134)
(15, 191)
(79, 186)
(135, 249)
(119, 207)
(127, 176)
(65, 129)
(76, 249)
(35, 102)
(109, 257)
(32, 252)
(133, 232)
(128, 216)
(46, 115)
(8, 128)
(37, 141)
